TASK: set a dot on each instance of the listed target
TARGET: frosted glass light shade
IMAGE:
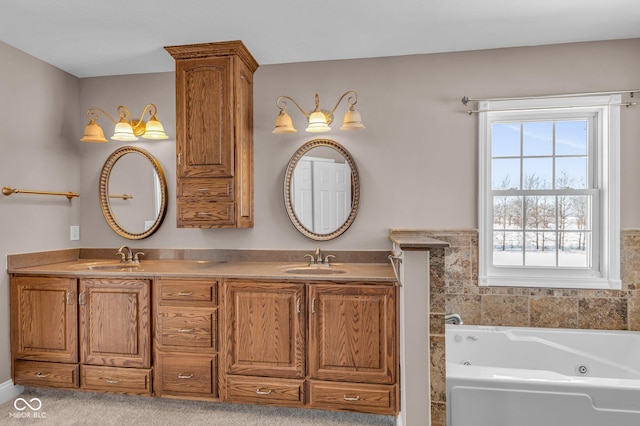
(318, 122)
(154, 130)
(352, 120)
(123, 132)
(93, 133)
(284, 123)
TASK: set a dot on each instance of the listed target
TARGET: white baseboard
(399, 421)
(9, 391)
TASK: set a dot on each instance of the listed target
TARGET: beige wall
(38, 127)
(418, 151)
(416, 159)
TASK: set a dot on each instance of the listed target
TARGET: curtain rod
(473, 111)
(465, 100)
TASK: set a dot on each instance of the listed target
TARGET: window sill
(587, 283)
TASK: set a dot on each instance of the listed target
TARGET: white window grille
(549, 192)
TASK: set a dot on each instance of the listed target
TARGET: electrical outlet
(74, 233)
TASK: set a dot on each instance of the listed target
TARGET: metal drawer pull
(259, 391)
(112, 382)
(185, 293)
(204, 189)
(186, 330)
(42, 376)
(351, 398)
(203, 214)
(184, 376)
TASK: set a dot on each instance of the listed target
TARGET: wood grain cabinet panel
(350, 362)
(186, 338)
(186, 376)
(181, 328)
(50, 374)
(44, 319)
(262, 390)
(380, 399)
(115, 327)
(186, 292)
(353, 334)
(202, 211)
(218, 189)
(136, 381)
(214, 134)
(265, 329)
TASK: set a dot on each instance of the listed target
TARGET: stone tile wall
(454, 288)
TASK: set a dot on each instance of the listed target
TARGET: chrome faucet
(130, 256)
(453, 319)
(319, 259)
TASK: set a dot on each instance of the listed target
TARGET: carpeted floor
(88, 408)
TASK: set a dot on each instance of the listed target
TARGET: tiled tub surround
(454, 288)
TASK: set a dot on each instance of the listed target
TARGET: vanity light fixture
(126, 129)
(318, 119)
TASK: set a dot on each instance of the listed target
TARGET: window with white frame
(549, 192)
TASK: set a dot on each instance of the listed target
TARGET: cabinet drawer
(187, 375)
(116, 379)
(187, 328)
(34, 373)
(203, 189)
(380, 399)
(265, 390)
(205, 213)
(188, 291)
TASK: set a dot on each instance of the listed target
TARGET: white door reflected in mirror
(321, 193)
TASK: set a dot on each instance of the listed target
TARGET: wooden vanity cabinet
(320, 344)
(115, 326)
(186, 338)
(350, 361)
(44, 331)
(265, 331)
(214, 135)
(115, 335)
(92, 333)
(353, 355)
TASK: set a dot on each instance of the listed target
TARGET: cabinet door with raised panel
(204, 112)
(115, 328)
(44, 319)
(352, 333)
(265, 329)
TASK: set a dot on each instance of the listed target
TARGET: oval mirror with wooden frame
(321, 189)
(133, 193)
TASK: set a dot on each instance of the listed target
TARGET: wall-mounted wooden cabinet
(214, 135)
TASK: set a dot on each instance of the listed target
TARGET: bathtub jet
(512, 376)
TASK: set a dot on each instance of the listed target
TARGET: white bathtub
(511, 376)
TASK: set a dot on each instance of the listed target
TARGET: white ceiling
(93, 38)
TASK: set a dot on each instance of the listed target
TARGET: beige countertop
(298, 271)
(407, 239)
